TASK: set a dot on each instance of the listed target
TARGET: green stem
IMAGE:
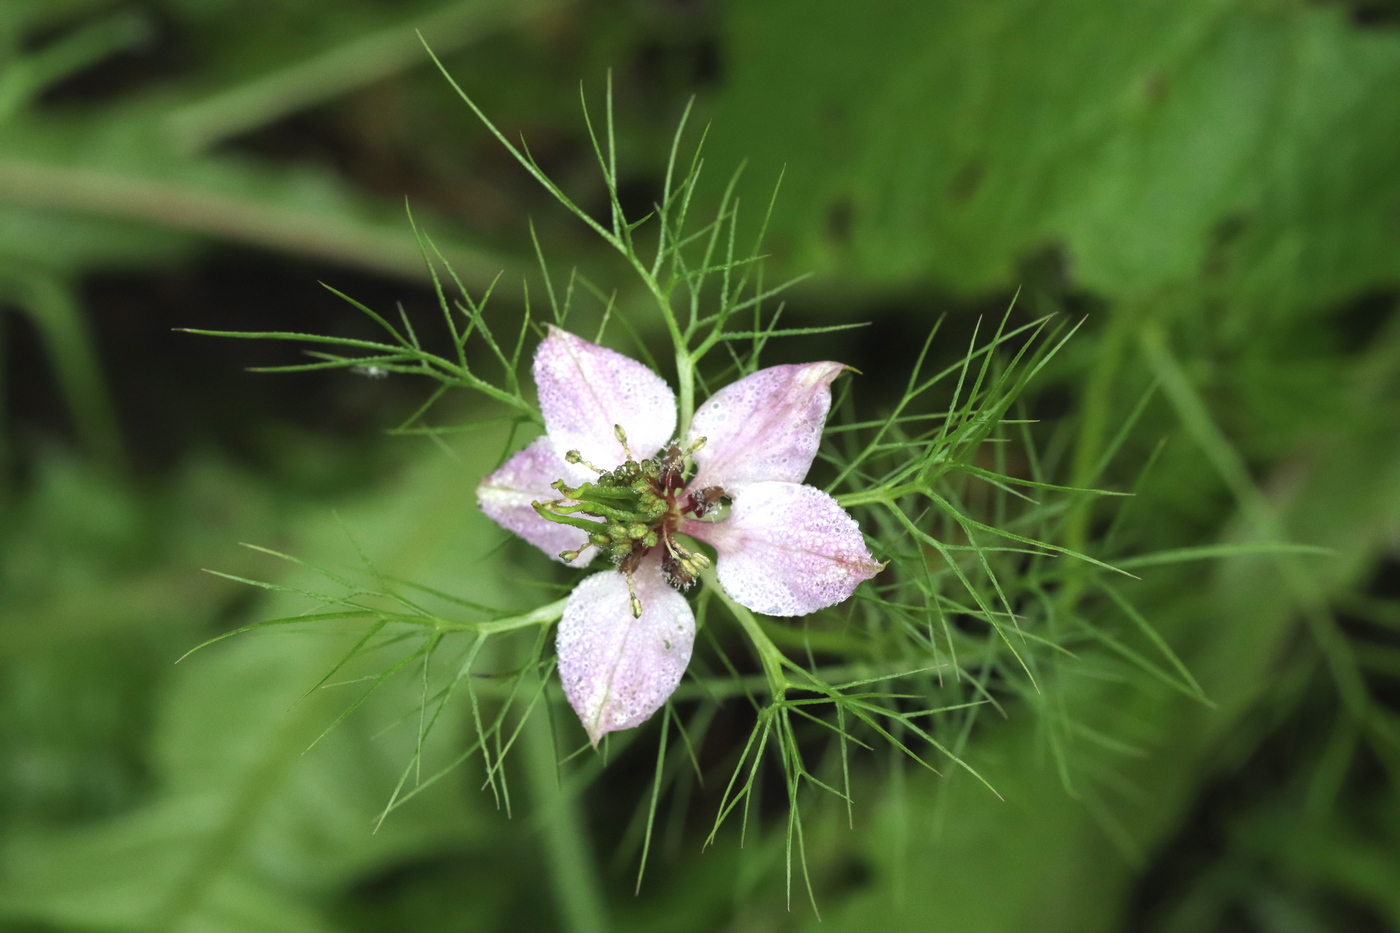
(269, 225)
(58, 316)
(1093, 424)
(685, 380)
(574, 878)
(5, 462)
(25, 76)
(366, 59)
(545, 615)
(769, 655)
(685, 360)
(880, 494)
(1267, 524)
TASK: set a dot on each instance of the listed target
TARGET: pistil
(632, 509)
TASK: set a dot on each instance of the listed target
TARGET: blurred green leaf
(244, 830)
(946, 142)
(118, 168)
(124, 182)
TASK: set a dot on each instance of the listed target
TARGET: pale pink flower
(783, 549)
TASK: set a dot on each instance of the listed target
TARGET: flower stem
(685, 380)
(768, 653)
(685, 360)
(544, 615)
(880, 494)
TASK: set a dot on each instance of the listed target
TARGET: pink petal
(586, 389)
(506, 494)
(617, 670)
(786, 550)
(764, 427)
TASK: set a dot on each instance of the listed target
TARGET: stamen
(553, 511)
(636, 603)
(695, 561)
(622, 439)
(707, 503)
(633, 508)
(574, 456)
(569, 557)
(692, 562)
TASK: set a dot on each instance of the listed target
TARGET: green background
(1213, 185)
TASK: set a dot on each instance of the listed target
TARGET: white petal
(766, 426)
(506, 494)
(617, 670)
(787, 550)
(585, 390)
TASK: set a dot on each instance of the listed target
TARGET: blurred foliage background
(1214, 185)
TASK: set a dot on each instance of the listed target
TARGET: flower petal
(617, 670)
(585, 390)
(764, 427)
(786, 550)
(506, 494)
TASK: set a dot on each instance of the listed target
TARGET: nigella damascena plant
(610, 477)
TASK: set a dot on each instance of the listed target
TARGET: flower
(608, 475)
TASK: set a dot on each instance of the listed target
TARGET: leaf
(946, 140)
(246, 828)
(75, 192)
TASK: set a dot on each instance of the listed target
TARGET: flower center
(634, 508)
